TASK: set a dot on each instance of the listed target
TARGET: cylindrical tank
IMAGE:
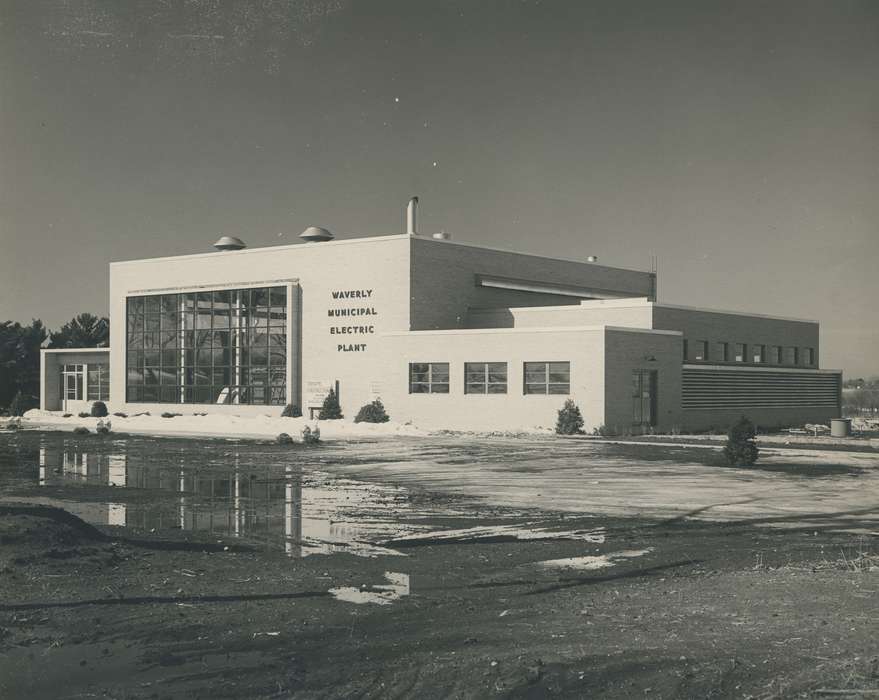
(840, 427)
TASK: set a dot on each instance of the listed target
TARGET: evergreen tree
(372, 413)
(330, 410)
(82, 331)
(570, 420)
(741, 447)
(16, 408)
(20, 362)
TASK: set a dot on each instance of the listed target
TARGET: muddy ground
(664, 607)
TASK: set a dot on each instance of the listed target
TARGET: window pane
(439, 388)
(535, 388)
(418, 388)
(151, 305)
(559, 389)
(474, 388)
(497, 388)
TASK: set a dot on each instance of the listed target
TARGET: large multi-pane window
(221, 347)
(722, 351)
(485, 377)
(547, 377)
(428, 377)
(701, 353)
(741, 351)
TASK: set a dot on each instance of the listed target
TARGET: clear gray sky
(738, 141)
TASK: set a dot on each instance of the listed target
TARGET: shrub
(284, 439)
(372, 413)
(291, 410)
(80, 430)
(99, 409)
(167, 414)
(741, 448)
(16, 408)
(103, 427)
(310, 436)
(14, 424)
(331, 410)
(67, 415)
(570, 421)
(121, 414)
(603, 431)
(84, 414)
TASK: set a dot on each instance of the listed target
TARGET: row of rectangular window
(490, 378)
(778, 354)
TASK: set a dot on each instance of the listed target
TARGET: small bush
(603, 431)
(284, 439)
(84, 414)
(67, 415)
(99, 409)
(168, 414)
(331, 410)
(102, 427)
(291, 410)
(741, 447)
(310, 436)
(16, 408)
(14, 424)
(372, 413)
(121, 414)
(80, 430)
(570, 421)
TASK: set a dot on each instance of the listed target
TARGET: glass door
(644, 404)
(72, 381)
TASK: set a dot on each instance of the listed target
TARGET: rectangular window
(208, 347)
(777, 355)
(98, 382)
(792, 356)
(485, 378)
(810, 356)
(686, 350)
(722, 352)
(740, 352)
(547, 378)
(428, 377)
(759, 354)
(701, 351)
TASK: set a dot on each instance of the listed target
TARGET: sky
(736, 141)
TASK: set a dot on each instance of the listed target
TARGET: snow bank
(254, 427)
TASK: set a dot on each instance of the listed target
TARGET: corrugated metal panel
(715, 388)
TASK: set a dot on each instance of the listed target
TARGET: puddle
(497, 533)
(397, 586)
(601, 561)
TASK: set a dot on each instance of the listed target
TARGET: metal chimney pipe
(411, 216)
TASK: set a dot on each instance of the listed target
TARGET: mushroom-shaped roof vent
(230, 243)
(316, 234)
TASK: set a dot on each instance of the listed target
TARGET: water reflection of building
(229, 500)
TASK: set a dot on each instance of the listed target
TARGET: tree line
(20, 353)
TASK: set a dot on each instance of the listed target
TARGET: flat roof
(535, 329)
(635, 302)
(371, 239)
(62, 350)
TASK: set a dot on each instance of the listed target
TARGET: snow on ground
(225, 426)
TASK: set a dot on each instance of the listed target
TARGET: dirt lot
(648, 607)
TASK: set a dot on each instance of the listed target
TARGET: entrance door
(72, 382)
(644, 399)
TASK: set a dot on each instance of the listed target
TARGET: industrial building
(447, 334)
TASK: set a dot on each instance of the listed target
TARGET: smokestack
(411, 214)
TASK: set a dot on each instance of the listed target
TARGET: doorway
(644, 398)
